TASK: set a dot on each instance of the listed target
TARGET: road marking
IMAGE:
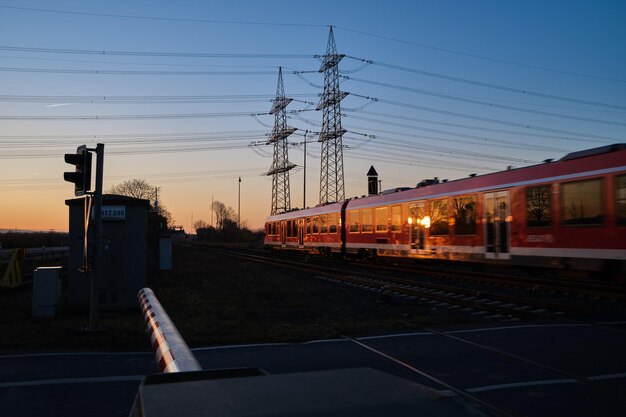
(61, 381)
(537, 383)
(522, 384)
(33, 355)
(389, 336)
(138, 378)
(608, 376)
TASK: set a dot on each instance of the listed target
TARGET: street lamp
(239, 206)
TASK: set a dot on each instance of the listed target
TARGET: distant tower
(331, 173)
(372, 181)
(279, 170)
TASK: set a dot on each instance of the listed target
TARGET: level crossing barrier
(170, 350)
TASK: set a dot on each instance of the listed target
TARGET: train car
(314, 229)
(566, 213)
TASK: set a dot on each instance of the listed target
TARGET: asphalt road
(526, 370)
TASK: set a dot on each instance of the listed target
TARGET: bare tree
(140, 188)
(200, 224)
(223, 214)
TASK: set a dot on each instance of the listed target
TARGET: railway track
(477, 301)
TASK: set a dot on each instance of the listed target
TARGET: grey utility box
(124, 253)
(46, 291)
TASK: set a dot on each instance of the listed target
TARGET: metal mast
(331, 173)
(280, 164)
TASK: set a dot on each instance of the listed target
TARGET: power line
(171, 135)
(424, 148)
(152, 64)
(153, 54)
(143, 99)
(480, 118)
(167, 19)
(279, 24)
(484, 103)
(477, 139)
(583, 138)
(138, 116)
(486, 58)
(132, 72)
(487, 85)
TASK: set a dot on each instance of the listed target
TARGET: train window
(353, 221)
(464, 215)
(396, 218)
(582, 202)
(539, 206)
(295, 228)
(366, 221)
(332, 222)
(620, 199)
(316, 224)
(308, 226)
(381, 219)
(323, 223)
(439, 217)
(417, 211)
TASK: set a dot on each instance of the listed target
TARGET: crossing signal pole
(92, 250)
(331, 172)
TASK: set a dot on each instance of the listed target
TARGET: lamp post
(239, 205)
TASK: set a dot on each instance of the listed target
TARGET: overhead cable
(488, 85)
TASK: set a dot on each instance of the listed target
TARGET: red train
(567, 213)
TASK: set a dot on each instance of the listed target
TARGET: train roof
(589, 162)
(310, 211)
(574, 165)
(594, 151)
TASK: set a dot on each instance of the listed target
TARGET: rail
(170, 350)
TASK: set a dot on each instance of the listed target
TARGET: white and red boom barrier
(170, 350)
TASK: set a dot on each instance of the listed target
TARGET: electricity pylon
(331, 173)
(281, 200)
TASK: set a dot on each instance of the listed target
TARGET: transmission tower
(280, 164)
(331, 175)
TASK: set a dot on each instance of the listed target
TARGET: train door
(300, 232)
(417, 226)
(497, 216)
(283, 232)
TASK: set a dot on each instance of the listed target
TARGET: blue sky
(461, 87)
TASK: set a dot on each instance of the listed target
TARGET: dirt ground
(217, 299)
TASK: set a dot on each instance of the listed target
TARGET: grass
(216, 299)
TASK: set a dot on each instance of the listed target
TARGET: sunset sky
(179, 93)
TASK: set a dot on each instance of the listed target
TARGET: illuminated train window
(464, 215)
(366, 221)
(582, 203)
(396, 218)
(353, 221)
(324, 223)
(332, 223)
(439, 224)
(381, 219)
(539, 206)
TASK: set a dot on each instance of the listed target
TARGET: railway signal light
(81, 177)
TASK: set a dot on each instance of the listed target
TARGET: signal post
(81, 177)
